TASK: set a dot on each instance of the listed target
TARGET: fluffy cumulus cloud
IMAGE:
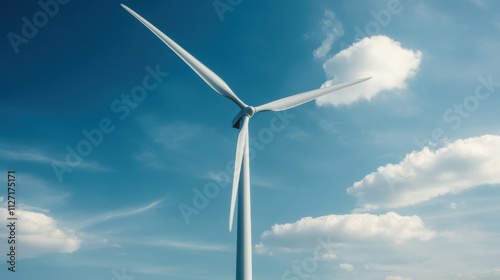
(332, 29)
(40, 234)
(379, 57)
(304, 234)
(425, 174)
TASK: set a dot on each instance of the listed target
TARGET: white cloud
(346, 266)
(379, 57)
(332, 29)
(397, 278)
(39, 234)
(302, 235)
(423, 175)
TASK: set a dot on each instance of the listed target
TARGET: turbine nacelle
(246, 111)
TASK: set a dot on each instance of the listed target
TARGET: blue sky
(396, 178)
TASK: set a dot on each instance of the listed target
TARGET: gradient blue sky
(393, 179)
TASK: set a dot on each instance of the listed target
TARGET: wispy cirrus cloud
(173, 135)
(191, 246)
(36, 155)
(117, 214)
(332, 29)
(40, 192)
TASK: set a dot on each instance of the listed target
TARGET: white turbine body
(241, 179)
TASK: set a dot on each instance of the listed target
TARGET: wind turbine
(241, 179)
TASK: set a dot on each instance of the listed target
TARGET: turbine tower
(241, 179)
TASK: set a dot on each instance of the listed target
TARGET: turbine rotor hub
(247, 111)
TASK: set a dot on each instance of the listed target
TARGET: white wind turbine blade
(240, 149)
(204, 72)
(301, 98)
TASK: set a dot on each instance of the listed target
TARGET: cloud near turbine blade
(382, 57)
(301, 98)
